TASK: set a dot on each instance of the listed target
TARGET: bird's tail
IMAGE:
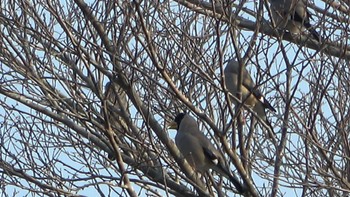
(240, 188)
(315, 34)
(259, 108)
(224, 171)
(265, 103)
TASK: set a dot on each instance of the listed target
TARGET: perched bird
(197, 149)
(292, 15)
(251, 96)
(116, 95)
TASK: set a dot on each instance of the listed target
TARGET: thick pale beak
(172, 125)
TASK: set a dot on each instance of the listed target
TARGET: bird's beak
(172, 125)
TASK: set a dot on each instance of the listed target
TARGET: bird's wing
(302, 15)
(220, 167)
(249, 87)
(260, 110)
(208, 148)
(211, 154)
(259, 96)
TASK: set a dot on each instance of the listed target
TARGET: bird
(117, 96)
(197, 149)
(251, 96)
(292, 15)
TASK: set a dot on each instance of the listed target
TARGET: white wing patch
(262, 99)
(215, 161)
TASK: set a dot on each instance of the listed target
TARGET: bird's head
(232, 67)
(176, 123)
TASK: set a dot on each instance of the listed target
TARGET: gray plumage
(199, 152)
(293, 16)
(251, 96)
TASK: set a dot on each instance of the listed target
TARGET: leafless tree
(64, 133)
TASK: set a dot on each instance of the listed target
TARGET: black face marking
(179, 118)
